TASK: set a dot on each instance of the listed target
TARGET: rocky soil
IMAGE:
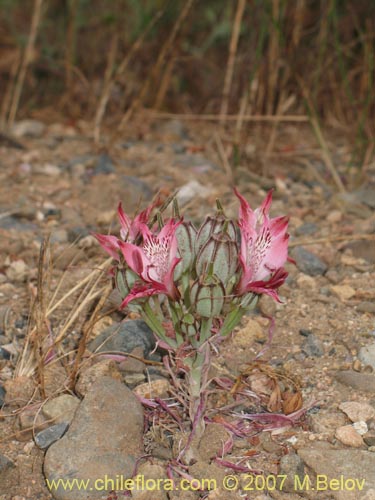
(80, 416)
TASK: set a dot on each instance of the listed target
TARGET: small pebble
(313, 347)
(357, 411)
(360, 427)
(366, 354)
(154, 389)
(45, 438)
(343, 292)
(309, 263)
(28, 128)
(349, 436)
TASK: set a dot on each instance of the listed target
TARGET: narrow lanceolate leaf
(232, 320)
(155, 325)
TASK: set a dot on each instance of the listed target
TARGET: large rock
(103, 441)
(344, 474)
(124, 337)
(364, 382)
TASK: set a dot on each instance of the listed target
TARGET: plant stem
(197, 380)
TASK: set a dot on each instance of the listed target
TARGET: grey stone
(174, 128)
(313, 346)
(104, 165)
(5, 463)
(195, 162)
(83, 160)
(178, 148)
(2, 395)
(362, 250)
(8, 141)
(369, 438)
(15, 224)
(61, 409)
(48, 436)
(292, 466)
(306, 228)
(366, 355)
(309, 263)
(364, 382)
(137, 187)
(190, 190)
(366, 195)
(212, 441)
(124, 337)
(4, 354)
(60, 236)
(103, 440)
(28, 128)
(366, 307)
(335, 463)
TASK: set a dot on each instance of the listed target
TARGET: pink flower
(264, 248)
(154, 262)
(130, 230)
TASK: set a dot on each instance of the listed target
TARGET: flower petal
(125, 223)
(268, 287)
(109, 243)
(139, 292)
(135, 258)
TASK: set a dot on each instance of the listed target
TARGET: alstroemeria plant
(193, 286)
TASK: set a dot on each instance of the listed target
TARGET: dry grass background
(226, 60)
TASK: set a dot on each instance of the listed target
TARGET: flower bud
(219, 257)
(219, 224)
(185, 234)
(208, 297)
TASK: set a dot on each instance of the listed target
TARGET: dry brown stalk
(319, 135)
(223, 157)
(27, 363)
(242, 112)
(79, 285)
(107, 86)
(6, 101)
(273, 59)
(158, 64)
(40, 336)
(232, 57)
(298, 22)
(89, 294)
(28, 55)
(215, 117)
(86, 333)
(331, 239)
(164, 84)
(107, 89)
(70, 42)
